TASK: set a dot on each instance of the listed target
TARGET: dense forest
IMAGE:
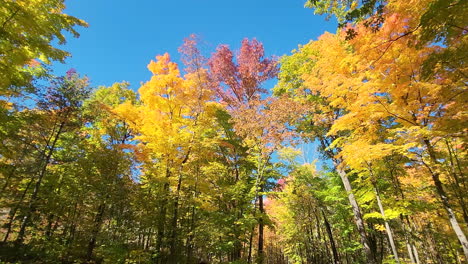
(205, 163)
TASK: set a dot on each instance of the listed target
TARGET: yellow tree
(169, 120)
(378, 79)
(296, 80)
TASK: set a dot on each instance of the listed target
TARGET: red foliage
(238, 82)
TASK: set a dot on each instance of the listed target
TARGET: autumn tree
(62, 100)
(168, 124)
(262, 122)
(321, 117)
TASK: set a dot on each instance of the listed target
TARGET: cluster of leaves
(27, 28)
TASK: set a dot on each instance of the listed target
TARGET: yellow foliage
(376, 78)
(172, 111)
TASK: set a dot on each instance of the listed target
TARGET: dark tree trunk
(173, 238)
(336, 258)
(249, 258)
(12, 213)
(95, 231)
(260, 227)
(162, 219)
(34, 196)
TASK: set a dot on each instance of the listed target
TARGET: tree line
(203, 164)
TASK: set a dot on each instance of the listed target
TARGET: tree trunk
(95, 231)
(370, 256)
(236, 253)
(191, 236)
(33, 200)
(162, 219)
(336, 258)
(445, 200)
(249, 258)
(387, 226)
(260, 227)
(412, 251)
(173, 239)
(12, 213)
(460, 193)
(359, 221)
(192, 223)
(50, 220)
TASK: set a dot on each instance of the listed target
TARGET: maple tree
(261, 122)
(173, 114)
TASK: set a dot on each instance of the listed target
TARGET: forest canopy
(205, 161)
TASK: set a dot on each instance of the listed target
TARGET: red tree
(238, 82)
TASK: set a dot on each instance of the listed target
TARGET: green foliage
(27, 29)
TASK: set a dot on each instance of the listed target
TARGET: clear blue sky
(124, 36)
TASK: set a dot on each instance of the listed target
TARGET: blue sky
(124, 36)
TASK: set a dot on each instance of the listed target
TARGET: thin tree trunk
(412, 251)
(191, 235)
(336, 258)
(12, 213)
(387, 226)
(192, 224)
(69, 226)
(416, 255)
(249, 258)
(50, 220)
(236, 254)
(146, 244)
(433, 245)
(162, 218)
(458, 186)
(173, 238)
(359, 221)
(260, 227)
(33, 200)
